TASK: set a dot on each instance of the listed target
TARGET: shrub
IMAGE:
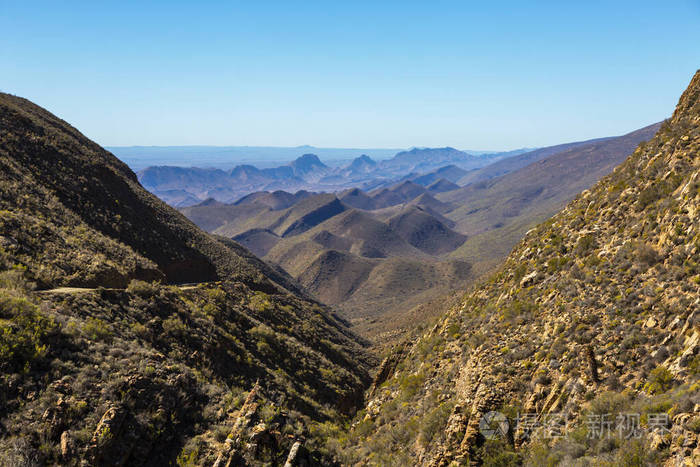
(411, 384)
(647, 255)
(660, 380)
(260, 302)
(608, 403)
(498, 453)
(434, 422)
(648, 196)
(22, 332)
(635, 453)
(14, 280)
(585, 244)
(174, 326)
(96, 329)
(143, 289)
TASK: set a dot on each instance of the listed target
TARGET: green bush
(660, 380)
(434, 422)
(143, 289)
(22, 332)
(585, 244)
(260, 302)
(498, 453)
(96, 329)
(14, 280)
(411, 384)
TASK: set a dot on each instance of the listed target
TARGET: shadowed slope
(43, 157)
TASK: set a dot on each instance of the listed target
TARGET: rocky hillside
(75, 215)
(586, 340)
(107, 358)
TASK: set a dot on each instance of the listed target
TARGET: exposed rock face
(386, 369)
(295, 459)
(230, 454)
(105, 447)
(593, 313)
(487, 399)
(66, 445)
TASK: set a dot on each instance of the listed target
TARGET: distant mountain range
(185, 186)
(226, 157)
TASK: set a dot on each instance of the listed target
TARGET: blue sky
(478, 75)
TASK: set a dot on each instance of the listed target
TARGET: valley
(376, 255)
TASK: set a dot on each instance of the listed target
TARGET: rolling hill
(353, 251)
(422, 230)
(451, 173)
(442, 185)
(511, 164)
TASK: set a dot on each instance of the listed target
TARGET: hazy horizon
(207, 156)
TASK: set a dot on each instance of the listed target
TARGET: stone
(528, 279)
(293, 455)
(658, 441)
(66, 445)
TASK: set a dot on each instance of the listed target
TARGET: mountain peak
(364, 162)
(446, 154)
(307, 163)
(365, 159)
(308, 159)
(689, 100)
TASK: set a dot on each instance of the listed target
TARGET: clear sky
(477, 75)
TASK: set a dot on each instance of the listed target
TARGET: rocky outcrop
(386, 369)
(229, 455)
(487, 399)
(106, 446)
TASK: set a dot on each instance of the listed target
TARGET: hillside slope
(496, 213)
(124, 371)
(62, 193)
(593, 314)
(513, 163)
